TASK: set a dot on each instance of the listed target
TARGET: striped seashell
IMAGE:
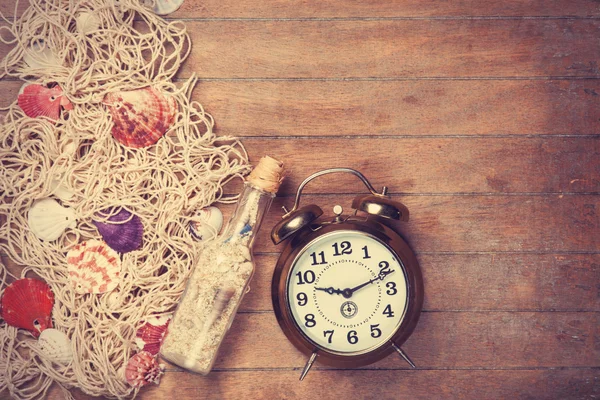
(93, 267)
(142, 369)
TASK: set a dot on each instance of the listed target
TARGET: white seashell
(56, 346)
(87, 23)
(59, 189)
(207, 223)
(164, 7)
(40, 56)
(48, 220)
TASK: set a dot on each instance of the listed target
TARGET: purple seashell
(121, 236)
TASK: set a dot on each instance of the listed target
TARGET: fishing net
(90, 49)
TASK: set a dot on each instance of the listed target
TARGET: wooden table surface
(483, 117)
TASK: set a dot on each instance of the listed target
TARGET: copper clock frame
(369, 225)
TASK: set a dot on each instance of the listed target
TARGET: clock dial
(347, 292)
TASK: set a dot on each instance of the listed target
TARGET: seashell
(40, 101)
(93, 267)
(164, 7)
(27, 303)
(142, 369)
(141, 116)
(48, 220)
(40, 56)
(122, 232)
(87, 22)
(150, 335)
(56, 346)
(207, 223)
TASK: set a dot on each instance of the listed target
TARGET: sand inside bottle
(219, 281)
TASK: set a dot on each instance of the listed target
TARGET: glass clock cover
(347, 292)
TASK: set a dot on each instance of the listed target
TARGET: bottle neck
(251, 208)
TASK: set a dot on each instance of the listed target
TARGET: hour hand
(330, 290)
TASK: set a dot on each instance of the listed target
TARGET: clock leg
(309, 364)
(404, 356)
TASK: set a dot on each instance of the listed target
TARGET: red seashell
(150, 335)
(142, 369)
(27, 303)
(37, 101)
(141, 116)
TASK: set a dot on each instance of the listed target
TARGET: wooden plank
(441, 340)
(397, 49)
(480, 223)
(409, 108)
(369, 9)
(384, 385)
(456, 224)
(562, 384)
(365, 108)
(476, 282)
(393, 49)
(440, 165)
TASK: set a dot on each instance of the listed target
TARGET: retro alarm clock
(346, 289)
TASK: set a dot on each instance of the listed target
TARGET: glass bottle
(219, 281)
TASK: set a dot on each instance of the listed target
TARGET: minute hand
(347, 293)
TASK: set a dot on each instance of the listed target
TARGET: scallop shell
(27, 303)
(207, 223)
(140, 117)
(164, 7)
(122, 232)
(56, 346)
(40, 56)
(150, 335)
(48, 220)
(142, 369)
(41, 101)
(87, 22)
(93, 267)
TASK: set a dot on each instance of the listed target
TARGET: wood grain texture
(397, 49)
(408, 108)
(370, 9)
(481, 223)
(412, 108)
(441, 165)
(441, 340)
(393, 49)
(383, 385)
(474, 282)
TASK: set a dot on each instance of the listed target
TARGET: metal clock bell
(346, 289)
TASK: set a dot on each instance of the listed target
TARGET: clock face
(347, 292)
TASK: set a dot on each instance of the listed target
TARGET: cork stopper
(267, 175)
